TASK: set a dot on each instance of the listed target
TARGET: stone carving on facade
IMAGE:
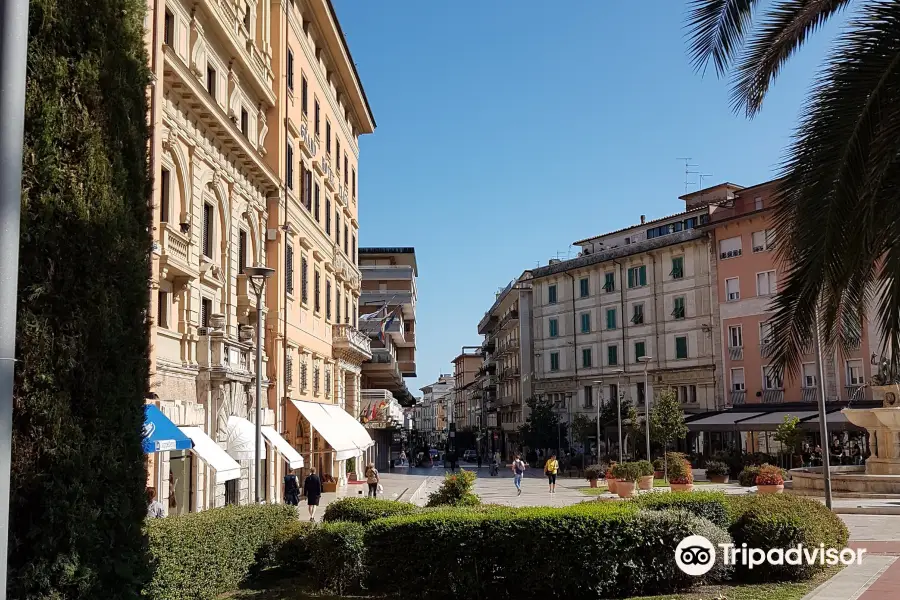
(234, 95)
(263, 128)
(198, 46)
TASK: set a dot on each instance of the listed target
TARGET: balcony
(175, 252)
(389, 297)
(510, 318)
(736, 352)
(489, 346)
(246, 298)
(509, 373)
(350, 344)
(773, 396)
(388, 272)
(738, 397)
(808, 394)
(855, 391)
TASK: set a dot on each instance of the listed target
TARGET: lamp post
(646, 360)
(599, 384)
(618, 373)
(257, 277)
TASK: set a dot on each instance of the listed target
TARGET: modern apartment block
(636, 306)
(507, 373)
(256, 110)
(388, 299)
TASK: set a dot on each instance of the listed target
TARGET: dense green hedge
(706, 504)
(337, 551)
(82, 339)
(203, 555)
(366, 510)
(288, 551)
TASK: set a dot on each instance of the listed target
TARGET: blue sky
(507, 130)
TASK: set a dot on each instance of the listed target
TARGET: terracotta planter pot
(593, 483)
(329, 487)
(611, 485)
(769, 489)
(658, 474)
(625, 489)
(646, 482)
(718, 478)
(682, 487)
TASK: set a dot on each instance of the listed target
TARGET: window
(337, 226)
(766, 284)
(231, 492)
(613, 391)
(337, 304)
(304, 280)
(554, 328)
(587, 358)
(609, 282)
(289, 166)
(678, 310)
(762, 240)
(612, 355)
(347, 311)
(307, 183)
(641, 393)
(318, 113)
(737, 380)
(205, 311)
(242, 251)
(207, 240)
(809, 375)
(164, 186)
(317, 292)
(353, 186)
(289, 268)
(610, 318)
(637, 276)
(290, 69)
(247, 17)
(730, 248)
(588, 396)
(681, 347)
(677, 267)
(735, 336)
(346, 170)
(304, 95)
(758, 203)
(346, 237)
(327, 216)
(771, 381)
(639, 351)
(554, 361)
(245, 122)
(337, 153)
(732, 289)
(551, 294)
(210, 80)
(162, 309)
(169, 31)
(855, 372)
(328, 299)
(585, 287)
(585, 322)
(353, 248)
(316, 201)
(327, 136)
(638, 315)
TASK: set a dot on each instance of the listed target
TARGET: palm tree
(837, 207)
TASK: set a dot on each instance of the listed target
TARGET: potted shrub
(747, 478)
(594, 472)
(681, 476)
(770, 480)
(611, 478)
(626, 475)
(659, 467)
(329, 484)
(645, 474)
(717, 471)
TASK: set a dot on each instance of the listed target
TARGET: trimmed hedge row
(709, 505)
(202, 555)
(366, 510)
(336, 556)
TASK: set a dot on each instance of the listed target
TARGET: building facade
(466, 410)
(435, 408)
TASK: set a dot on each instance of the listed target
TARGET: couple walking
(551, 468)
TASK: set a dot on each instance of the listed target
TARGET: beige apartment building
(466, 409)
(231, 168)
(632, 314)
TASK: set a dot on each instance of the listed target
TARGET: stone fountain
(881, 474)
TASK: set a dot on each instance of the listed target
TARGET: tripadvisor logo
(695, 555)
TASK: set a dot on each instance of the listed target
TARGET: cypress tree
(78, 499)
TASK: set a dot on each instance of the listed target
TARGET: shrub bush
(780, 521)
(366, 510)
(645, 468)
(337, 554)
(715, 468)
(628, 471)
(709, 505)
(594, 472)
(206, 554)
(679, 468)
(770, 475)
(287, 551)
(747, 478)
(455, 491)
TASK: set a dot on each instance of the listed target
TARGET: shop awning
(327, 424)
(835, 419)
(293, 458)
(357, 432)
(724, 421)
(161, 434)
(212, 454)
(241, 439)
(771, 421)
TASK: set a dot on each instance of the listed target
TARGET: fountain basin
(848, 481)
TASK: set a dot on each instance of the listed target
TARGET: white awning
(352, 426)
(212, 454)
(241, 439)
(293, 458)
(328, 425)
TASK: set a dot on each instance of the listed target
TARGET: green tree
(667, 419)
(542, 428)
(791, 436)
(634, 427)
(82, 337)
(840, 165)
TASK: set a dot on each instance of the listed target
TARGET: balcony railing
(352, 342)
(510, 373)
(175, 250)
(510, 317)
(808, 394)
(738, 397)
(736, 352)
(855, 391)
(773, 396)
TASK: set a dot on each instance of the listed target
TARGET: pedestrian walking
(495, 464)
(312, 489)
(373, 480)
(550, 470)
(291, 489)
(518, 469)
(479, 460)
(155, 508)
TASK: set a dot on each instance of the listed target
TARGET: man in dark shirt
(312, 489)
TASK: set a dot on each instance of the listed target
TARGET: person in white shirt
(155, 509)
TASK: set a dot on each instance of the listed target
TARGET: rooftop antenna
(701, 177)
(687, 172)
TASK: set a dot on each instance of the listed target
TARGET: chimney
(643, 219)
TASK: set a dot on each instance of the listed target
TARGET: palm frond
(717, 31)
(835, 208)
(783, 30)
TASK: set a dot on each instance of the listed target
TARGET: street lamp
(257, 277)
(618, 373)
(599, 384)
(646, 360)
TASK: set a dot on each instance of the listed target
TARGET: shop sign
(166, 445)
(308, 139)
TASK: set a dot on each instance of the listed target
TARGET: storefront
(329, 436)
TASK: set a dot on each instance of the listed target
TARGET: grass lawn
(298, 589)
(601, 488)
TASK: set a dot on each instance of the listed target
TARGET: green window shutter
(631, 278)
(554, 361)
(610, 318)
(585, 287)
(610, 283)
(551, 294)
(643, 275)
(679, 313)
(677, 267)
(681, 347)
(585, 323)
(612, 355)
(586, 357)
(554, 328)
(638, 350)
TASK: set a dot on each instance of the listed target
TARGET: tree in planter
(791, 436)
(609, 418)
(584, 429)
(78, 501)
(667, 420)
(635, 428)
(542, 429)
